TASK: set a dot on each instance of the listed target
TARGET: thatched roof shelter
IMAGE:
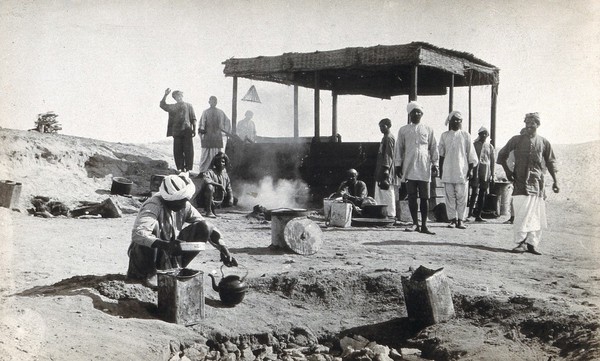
(380, 71)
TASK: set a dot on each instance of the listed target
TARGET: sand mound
(73, 169)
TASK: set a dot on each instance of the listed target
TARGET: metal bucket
(374, 211)
(9, 194)
(181, 296)
(341, 215)
(121, 186)
(279, 219)
(504, 192)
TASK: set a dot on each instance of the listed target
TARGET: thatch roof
(380, 71)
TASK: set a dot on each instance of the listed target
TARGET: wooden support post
(296, 127)
(334, 122)
(317, 108)
(451, 93)
(414, 75)
(470, 107)
(470, 99)
(493, 114)
(234, 105)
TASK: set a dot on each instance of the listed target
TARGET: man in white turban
(416, 159)
(457, 159)
(155, 239)
(533, 155)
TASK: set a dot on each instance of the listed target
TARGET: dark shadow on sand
(133, 304)
(393, 333)
(260, 251)
(436, 243)
(216, 303)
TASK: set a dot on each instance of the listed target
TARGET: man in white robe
(416, 161)
(457, 159)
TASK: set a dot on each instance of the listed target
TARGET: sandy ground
(64, 295)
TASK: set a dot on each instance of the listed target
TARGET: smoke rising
(274, 194)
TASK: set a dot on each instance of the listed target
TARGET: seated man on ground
(354, 191)
(215, 188)
(157, 232)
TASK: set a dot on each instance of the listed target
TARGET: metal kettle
(232, 289)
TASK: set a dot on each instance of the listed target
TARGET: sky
(103, 66)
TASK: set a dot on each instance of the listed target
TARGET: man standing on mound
(213, 123)
(182, 127)
(416, 159)
(533, 154)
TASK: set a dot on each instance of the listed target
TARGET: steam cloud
(270, 194)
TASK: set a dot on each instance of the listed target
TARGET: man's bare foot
(426, 230)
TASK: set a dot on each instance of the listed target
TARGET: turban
(453, 114)
(482, 130)
(175, 188)
(534, 116)
(412, 106)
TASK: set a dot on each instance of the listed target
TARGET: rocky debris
(299, 345)
(46, 208)
(112, 207)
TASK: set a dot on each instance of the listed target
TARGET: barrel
(279, 219)
(504, 192)
(121, 186)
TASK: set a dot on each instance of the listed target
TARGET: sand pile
(73, 169)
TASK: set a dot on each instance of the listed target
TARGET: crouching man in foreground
(157, 232)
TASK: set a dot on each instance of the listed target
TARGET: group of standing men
(415, 157)
(213, 128)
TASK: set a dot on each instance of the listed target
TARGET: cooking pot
(374, 211)
(285, 212)
(121, 186)
(232, 288)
